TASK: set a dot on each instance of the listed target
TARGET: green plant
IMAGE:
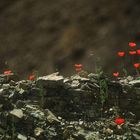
(125, 72)
(98, 68)
(83, 73)
(103, 92)
(102, 84)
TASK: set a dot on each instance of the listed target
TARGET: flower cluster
(7, 72)
(132, 52)
(31, 77)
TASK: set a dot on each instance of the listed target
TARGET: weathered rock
(75, 84)
(136, 136)
(77, 77)
(51, 117)
(21, 137)
(5, 78)
(38, 131)
(135, 83)
(17, 113)
(51, 80)
(92, 135)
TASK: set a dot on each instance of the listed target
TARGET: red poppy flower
(8, 72)
(132, 52)
(138, 51)
(121, 54)
(136, 65)
(32, 77)
(78, 65)
(132, 44)
(119, 121)
(116, 74)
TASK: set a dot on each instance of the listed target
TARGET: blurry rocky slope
(48, 35)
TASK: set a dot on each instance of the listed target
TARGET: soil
(49, 35)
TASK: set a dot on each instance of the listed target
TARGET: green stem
(124, 68)
(137, 71)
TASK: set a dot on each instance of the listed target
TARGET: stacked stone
(42, 109)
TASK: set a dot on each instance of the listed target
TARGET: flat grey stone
(17, 112)
(21, 137)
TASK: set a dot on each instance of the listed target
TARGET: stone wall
(42, 108)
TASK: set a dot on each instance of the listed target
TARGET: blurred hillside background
(50, 35)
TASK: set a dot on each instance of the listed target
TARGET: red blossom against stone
(132, 52)
(132, 44)
(78, 67)
(8, 72)
(32, 77)
(119, 121)
(136, 65)
(121, 54)
(138, 52)
(116, 74)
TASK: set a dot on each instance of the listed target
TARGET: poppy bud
(78, 65)
(119, 121)
(138, 52)
(136, 65)
(121, 54)
(132, 52)
(132, 44)
(116, 74)
(32, 77)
